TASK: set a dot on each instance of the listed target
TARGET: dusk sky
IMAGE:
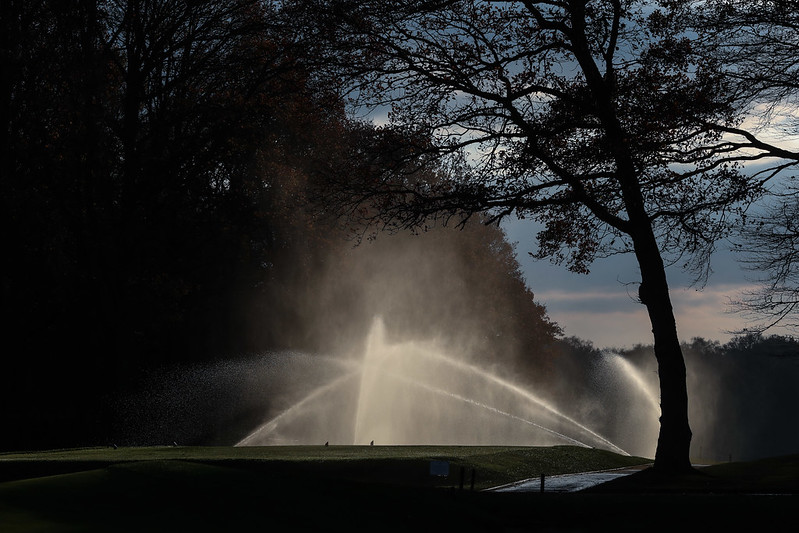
(601, 306)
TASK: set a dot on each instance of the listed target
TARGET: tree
(328, 272)
(52, 161)
(156, 161)
(757, 44)
(769, 245)
(586, 116)
(144, 154)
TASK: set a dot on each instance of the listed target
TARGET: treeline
(162, 169)
(139, 193)
(743, 394)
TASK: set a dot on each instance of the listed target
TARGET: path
(568, 482)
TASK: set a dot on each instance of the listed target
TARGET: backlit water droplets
(414, 393)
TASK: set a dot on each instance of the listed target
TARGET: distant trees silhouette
(743, 392)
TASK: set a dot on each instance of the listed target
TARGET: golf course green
(374, 488)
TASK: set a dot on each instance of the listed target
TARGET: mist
(455, 292)
(422, 339)
(165, 279)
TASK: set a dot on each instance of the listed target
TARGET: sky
(601, 307)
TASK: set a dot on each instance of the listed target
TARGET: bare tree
(589, 117)
(757, 45)
(771, 247)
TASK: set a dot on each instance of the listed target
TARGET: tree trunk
(674, 440)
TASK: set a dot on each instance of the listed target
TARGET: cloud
(611, 320)
(601, 307)
(582, 300)
(707, 313)
(608, 329)
(774, 123)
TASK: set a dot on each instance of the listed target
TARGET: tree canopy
(592, 118)
(519, 87)
(158, 161)
(756, 46)
(159, 158)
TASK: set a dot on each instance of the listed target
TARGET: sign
(439, 468)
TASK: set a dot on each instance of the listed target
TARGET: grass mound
(392, 465)
(371, 488)
(779, 475)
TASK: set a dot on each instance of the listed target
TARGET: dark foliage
(596, 119)
(743, 394)
(155, 160)
(133, 216)
(756, 43)
(750, 382)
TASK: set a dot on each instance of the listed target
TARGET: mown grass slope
(318, 488)
(395, 465)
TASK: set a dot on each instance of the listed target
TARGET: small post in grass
(542, 482)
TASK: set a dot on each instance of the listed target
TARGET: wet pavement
(568, 482)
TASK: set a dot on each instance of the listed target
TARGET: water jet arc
(415, 393)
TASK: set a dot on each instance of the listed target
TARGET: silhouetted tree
(588, 117)
(769, 246)
(156, 167)
(756, 44)
(144, 148)
(53, 163)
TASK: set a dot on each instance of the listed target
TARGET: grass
(374, 488)
(394, 465)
